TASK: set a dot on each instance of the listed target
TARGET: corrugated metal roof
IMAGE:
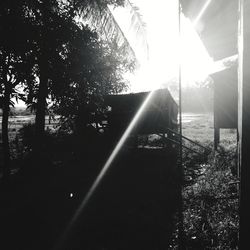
(218, 26)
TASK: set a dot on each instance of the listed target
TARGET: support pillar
(244, 121)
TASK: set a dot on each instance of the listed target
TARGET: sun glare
(165, 51)
(195, 61)
(202, 11)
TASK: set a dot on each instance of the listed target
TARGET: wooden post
(216, 124)
(216, 137)
(244, 121)
(181, 244)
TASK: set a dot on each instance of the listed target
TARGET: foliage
(211, 219)
(15, 67)
(100, 72)
(15, 59)
(53, 37)
(103, 21)
(26, 134)
(211, 205)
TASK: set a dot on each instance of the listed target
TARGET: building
(159, 115)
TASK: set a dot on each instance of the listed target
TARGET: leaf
(12, 103)
(102, 20)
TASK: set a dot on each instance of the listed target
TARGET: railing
(176, 139)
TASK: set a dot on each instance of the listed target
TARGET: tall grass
(211, 195)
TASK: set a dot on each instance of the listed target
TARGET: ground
(134, 207)
(211, 200)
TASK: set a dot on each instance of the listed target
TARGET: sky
(166, 50)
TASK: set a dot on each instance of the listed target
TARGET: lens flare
(104, 170)
(201, 13)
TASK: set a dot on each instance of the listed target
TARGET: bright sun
(165, 48)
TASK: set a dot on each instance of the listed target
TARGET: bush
(27, 137)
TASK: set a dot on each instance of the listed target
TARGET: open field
(17, 122)
(199, 127)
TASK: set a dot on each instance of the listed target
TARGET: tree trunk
(5, 135)
(41, 106)
(40, 111)
(43, 86)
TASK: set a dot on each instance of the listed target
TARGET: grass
(211, 217)
(200, 129)
(211, 205)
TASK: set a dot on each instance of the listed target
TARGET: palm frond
(102, 20)
(138, 26)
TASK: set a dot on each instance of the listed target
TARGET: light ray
(104, 170)
(201, 13)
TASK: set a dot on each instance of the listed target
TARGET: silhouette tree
(53, 26)
(15, 67)
(99, 72)
(46, 31)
